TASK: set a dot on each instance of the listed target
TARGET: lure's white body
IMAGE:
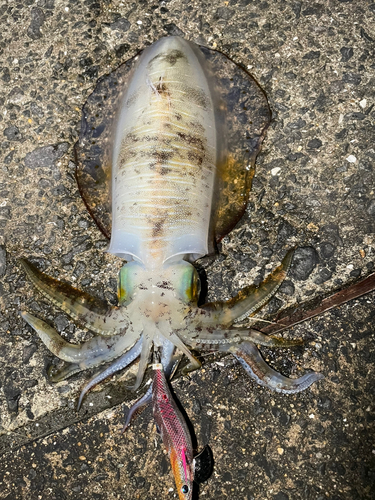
(164, 161)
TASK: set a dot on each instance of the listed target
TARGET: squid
(178, 158)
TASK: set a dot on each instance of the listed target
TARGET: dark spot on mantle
(173, 56)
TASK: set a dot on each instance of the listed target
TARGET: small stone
(363, 103)
(313, 54)
(355, 116)
(300, 123)
(37, 21)
(280, 451)
(121, 24)
(327, 249)
(12, 133)
(121, 50)
(275, 171)
(366, 36)
(46, 156)
(16, 95)
(12, 395)
(36, 110)
(28, 351)
(287, 288)
(355, 273)
(351, 78)
(61, 323)
(314, 144)
(173, 30)
(3, 260)
(224, 13)
(351, 159)
(371, 208)
(304, 261)
(324, 275)
(346, 53)
(281, 496)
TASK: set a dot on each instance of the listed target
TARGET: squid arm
(119, 364)
(174, 338)
(143, 361)
(93, 313)
(250, 299)
(89, 354)
(210, 340)
(255, 366)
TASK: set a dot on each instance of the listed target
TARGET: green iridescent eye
(126, 282)
(188, 282)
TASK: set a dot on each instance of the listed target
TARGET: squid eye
(191, 284)
(185, 281)
(128, 280)
(185, 488)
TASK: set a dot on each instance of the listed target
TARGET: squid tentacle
(250, 299)
(170, 364)
(208, 340)
(119, 364)
(92, 353)
(145, 355)
(138, 407)
(57, 375)
(250, 358)
(174, 337)
(93, 313)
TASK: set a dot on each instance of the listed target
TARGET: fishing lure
(174, 433)
(182, 155)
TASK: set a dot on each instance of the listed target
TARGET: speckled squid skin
(164, 158)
